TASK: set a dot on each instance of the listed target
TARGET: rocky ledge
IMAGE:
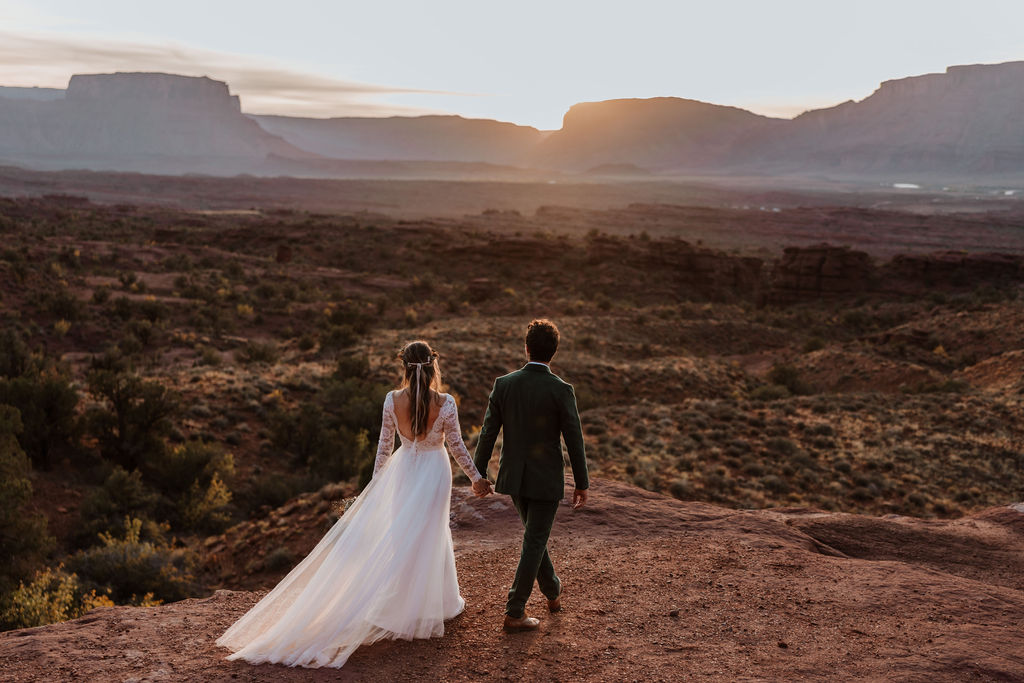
(655, 589)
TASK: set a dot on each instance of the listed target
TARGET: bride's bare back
(403, 410)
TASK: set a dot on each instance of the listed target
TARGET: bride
(386, 569)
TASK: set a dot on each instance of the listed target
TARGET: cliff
(140, 121)
(655, 589)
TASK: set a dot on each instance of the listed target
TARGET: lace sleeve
(457, 447)
(386, 443)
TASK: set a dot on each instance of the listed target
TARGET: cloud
(264, 86)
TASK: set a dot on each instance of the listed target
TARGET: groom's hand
(579, 498)
(482, 487)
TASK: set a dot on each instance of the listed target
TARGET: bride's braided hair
(420, 374)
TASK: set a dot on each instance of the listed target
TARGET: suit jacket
(535, 407)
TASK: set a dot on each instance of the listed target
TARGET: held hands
(482, 487)
(579, 498)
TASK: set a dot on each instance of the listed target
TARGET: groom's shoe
(523, 623)
(556, 604)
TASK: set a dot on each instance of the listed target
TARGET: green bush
(42, 393)
(47, 403)
(133, 415)
(122, 494)
(131, 570)
(193, 479)
(789, 377)
(681, 489)
(338, 337)
(330, 434)
(260, 352)
(279, 559)
(24, 540)
(52, 595)
(769, 392)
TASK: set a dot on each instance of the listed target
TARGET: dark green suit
(536, 409)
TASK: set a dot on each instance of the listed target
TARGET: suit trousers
(534, 562)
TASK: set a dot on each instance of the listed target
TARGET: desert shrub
(681, 489)
(265, 290)
(338, 337)
(46, 402)
(306, 342)
(132, 570)
(123, 308)
(789, 377)
(204, 508)
(814, 344)
(272, 490)
(51, 596)
(122, 494)
(24, 540)
(316, 440)
(949, 386)
(260, 352)
(775, 484)
(193, 477)
(753, 468)
(15, 356)
(209, 356)
(63, 304)
(234, 270)
(152, 310)
(278, 559)
(352, 316)
(142, 330)
(132, 416)
(330, 434)
(769, 392)
(782, 446)
(842, 466)
(127, 279)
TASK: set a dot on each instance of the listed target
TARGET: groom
(534, 407)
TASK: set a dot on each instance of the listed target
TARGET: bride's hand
(482, 487)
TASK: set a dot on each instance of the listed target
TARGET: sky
(526, 61)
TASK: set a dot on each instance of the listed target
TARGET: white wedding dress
(386, 569)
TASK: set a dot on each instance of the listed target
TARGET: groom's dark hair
(541, 340)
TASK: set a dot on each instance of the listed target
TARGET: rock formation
(138, 120)
(821, 271)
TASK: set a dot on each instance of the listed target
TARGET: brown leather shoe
(555, 605)
(523, 623)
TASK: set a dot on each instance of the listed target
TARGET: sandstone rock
(820, 271)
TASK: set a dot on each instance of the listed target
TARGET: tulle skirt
(386, 569)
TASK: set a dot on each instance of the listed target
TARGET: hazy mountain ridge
(422, 138)
(660, 132)
(964, 124)
(968, 120)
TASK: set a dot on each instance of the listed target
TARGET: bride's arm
(386, 442)
(453, 435)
